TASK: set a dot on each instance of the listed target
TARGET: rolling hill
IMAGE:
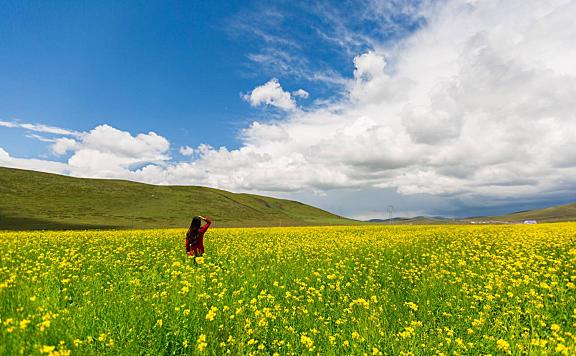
(557, 213)
(417, 220)
(552, 214)
(32, 200)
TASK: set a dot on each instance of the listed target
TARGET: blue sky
(177, 68)
(318, 101)
(137, 65)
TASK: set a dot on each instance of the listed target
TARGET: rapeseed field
(371, 290)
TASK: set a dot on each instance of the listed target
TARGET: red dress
(198, 246)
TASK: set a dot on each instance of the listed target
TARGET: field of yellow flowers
(328, 290)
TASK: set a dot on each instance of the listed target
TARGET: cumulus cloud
(143, 147)
(103, 152)
(301, 93)
(186, 151)
(108, 152)
(63, 145)
(272, 94)
(478, 104)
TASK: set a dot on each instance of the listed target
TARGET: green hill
(551, 214)
(557, 213)
(34, 200)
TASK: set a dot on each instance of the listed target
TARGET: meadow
(309, 290)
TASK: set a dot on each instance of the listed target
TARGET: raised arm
(208, 222)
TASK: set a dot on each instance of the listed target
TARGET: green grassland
(34, 200)
(353, 290)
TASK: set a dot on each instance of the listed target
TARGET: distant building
(530, 222)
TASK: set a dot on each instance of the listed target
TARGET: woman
(195, 236)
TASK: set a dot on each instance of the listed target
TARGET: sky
(449, 107)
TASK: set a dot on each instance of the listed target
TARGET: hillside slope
(557, 213)
(551, 214)
(34, 200)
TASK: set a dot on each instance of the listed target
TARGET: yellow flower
(201, 342)
(544, 285)
(46, 349)
(45, 324)
(24, 323)
(561, 348)
(408, 332)
(307, 342)
(411, 305)
(503, 345)
(211, 313)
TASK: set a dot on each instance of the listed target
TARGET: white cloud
(301, 93)
(477, 105)
(103, 152)
(108, 152)
(40, 137)
(272, 94)
(369, 66)
(186, 151)
(34, 164)
(62, 145)
(144, 147)
(38, 128)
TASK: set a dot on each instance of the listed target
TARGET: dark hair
(194, 227)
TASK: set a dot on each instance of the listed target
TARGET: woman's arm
(208, 221)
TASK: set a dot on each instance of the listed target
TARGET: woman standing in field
(195, 236)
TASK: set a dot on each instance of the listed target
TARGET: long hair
(194, 227)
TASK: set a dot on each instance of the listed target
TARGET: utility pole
(390, 211)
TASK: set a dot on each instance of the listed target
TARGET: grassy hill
(417, 220)
(34, 200)
(551, 214)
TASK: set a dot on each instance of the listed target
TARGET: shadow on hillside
(21, 223)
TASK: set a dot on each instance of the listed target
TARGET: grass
(328, 290)
(33, 200)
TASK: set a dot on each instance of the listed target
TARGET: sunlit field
(328, 290)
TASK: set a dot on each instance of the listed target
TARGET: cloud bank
(477, 104)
